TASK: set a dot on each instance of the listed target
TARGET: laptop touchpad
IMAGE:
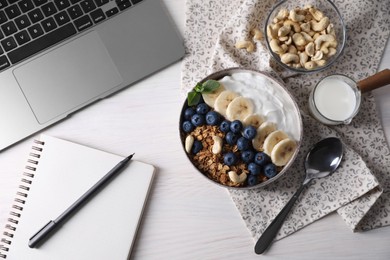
(68, 77)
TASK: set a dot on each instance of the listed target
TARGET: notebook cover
(104, 228)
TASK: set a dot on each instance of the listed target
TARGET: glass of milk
(335, 100)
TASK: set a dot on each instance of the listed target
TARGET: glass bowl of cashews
(305, 36)
(240, 128)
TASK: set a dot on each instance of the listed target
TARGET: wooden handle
(375, 81)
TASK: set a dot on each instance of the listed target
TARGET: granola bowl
(305, 36)
(240, 128)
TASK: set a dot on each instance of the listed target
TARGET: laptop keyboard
(30, 26)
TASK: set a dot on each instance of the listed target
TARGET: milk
(335, 98)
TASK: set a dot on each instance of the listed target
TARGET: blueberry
(213, 118)
(202, 108)
(188, 126)
(230, 159)
(198, 120)
(231, 138)
(254, 169)
(249, 132)
(196, 147)
(236, 126)
(247, 156)
(253, 180)
(225, 126)
(262, 158)
(270, 170)
(189, 112)
(243, 143)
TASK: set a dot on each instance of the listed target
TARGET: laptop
(57, 56)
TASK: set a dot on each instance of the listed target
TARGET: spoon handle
(269, 234)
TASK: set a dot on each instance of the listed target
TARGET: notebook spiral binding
(21, 196)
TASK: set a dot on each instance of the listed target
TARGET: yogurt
(269, 98)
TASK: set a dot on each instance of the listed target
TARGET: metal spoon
(321, 160)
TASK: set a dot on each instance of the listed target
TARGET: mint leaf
(193, 98)
(198, 88)
(210, 85)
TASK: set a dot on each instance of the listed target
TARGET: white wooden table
(188, 217)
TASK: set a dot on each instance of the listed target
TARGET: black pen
(51, 225)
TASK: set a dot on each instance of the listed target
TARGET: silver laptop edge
(133, 45)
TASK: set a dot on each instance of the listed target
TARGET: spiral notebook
(57, 173)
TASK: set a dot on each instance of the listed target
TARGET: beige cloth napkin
(360, 190)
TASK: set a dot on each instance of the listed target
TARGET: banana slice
(210, 98)
(254, 120)
(223, 100)
(262, 132)
(272, 139)
(283, 151)
(239, 108)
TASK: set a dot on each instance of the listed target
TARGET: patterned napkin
(360, 189)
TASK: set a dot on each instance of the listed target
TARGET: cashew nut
(303, 58)
(274, 45)
(332, 51)
(317, 56)
(310, 65)
(284, 30)
(298, 39)
(292, 49)
(320, 25)
(288, 41)
(307, 37)
(248, 45)
(309, 49)
(295, 25)
(330, 29)
(188, 143)
(317, 14)
(217, 146)
(282, 14)
(305, 27)
(289, 58)
(320, 62)
(295, 16)
(257, 34)
(327, 39)
(272, 30)
(237, 178)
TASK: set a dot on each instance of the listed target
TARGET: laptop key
(12, 11)
(22, 37)
(22, 22)
(3, 3)
(62, 4)
(4, 63)
(83, 23)
(75, 11)
(36, 15)
(97, 15)
(39, 2)
(101, 2)
(9, 43)
(49, 24)
(62, 18)
(9, 28)
(35, 30)
(42, 43)
(26, 5)
(49, 9)
(112, 11)
(123, 4)
(3, 17)
(88, 5)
